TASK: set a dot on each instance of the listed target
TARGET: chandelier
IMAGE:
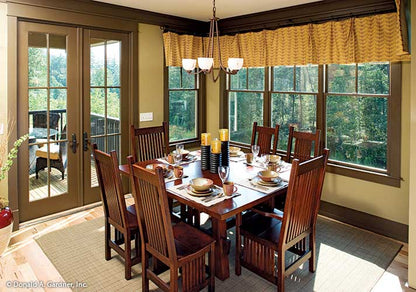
(206, 63)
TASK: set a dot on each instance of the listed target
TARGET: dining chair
(262, 236)
(57, 156)
(123, 219)
(149, 143)
(304, 143)
(264, 136)
(181, 247)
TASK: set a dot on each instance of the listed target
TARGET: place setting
(236, 154)
(265, 181)
(204, 191)
(170, 173)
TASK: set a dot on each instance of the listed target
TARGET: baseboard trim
(363, 220)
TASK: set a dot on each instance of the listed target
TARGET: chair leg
(137, 244)
(107, 240)
(281, 271)
(312, 248)
(145, 267)
(211, 285)
(174, 279)
(127, 256)
(237, 245)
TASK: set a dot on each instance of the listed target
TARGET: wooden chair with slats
(262, 236)
(304, 143)
(263, 137)
(180, 247)
(116, 214)
(149, 143)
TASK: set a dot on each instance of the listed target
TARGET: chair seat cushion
(53, 152)
(189, 240)
(262, 227)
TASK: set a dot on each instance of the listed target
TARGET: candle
(224, 134)
(216, 146)
(205, 139)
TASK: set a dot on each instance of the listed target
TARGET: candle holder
(205, 156)
(215, 162)
(225, 153)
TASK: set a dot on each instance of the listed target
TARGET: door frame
(100, 22)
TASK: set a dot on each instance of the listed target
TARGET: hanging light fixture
(206, 63)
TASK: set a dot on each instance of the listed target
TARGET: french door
(72, 91)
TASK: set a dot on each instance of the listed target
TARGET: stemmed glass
(223, 173)
(177, 157)
(179, 148)
(255, 149)
(265, 158)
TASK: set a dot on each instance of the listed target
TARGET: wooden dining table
(221, 211)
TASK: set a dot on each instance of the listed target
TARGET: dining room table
(248, 195)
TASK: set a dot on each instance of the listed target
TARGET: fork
(259, 187)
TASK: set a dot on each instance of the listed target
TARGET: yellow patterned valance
(355, 40)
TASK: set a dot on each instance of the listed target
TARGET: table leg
(219, 232)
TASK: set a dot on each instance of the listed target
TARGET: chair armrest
(267, 214)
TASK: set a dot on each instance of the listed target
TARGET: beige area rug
(349, 259)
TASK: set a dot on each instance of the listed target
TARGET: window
(293, 99)
(356, 107)
(183, 103)
(245, 102)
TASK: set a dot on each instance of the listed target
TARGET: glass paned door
(48, 112)
(106, 112)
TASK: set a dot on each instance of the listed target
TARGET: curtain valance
(373, 38)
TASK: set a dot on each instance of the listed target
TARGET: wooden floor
(25, 261)
(38, 187)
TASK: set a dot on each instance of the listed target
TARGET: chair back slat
(303, 196)
(149, 192)
(150, 143)
(305, 144)
(263, 137)
(110, 184)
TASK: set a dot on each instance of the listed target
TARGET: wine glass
(177, 157)
(179, 148)
(265, 158)
(255, 149)
(223, 172)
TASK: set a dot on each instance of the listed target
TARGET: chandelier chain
(214, 10)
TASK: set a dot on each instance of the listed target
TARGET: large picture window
(183, 104)
(356, 107)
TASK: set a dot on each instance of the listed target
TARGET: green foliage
(11, 156)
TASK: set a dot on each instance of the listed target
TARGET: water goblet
(179, 148)
(223, 172)
(178, 158)
(255, 149)
(265, 158)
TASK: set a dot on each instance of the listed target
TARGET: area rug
(348, 259)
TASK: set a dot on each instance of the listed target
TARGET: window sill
(366, 175)
(189, 143)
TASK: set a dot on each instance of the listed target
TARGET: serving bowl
(268, 175)
(275, 158)
(201, 184)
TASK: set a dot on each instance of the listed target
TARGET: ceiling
(202, 9)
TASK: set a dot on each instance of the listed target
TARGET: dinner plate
(275, 183)
(192, 192)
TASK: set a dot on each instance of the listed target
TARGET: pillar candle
(224, 134)
(216, 146)
(205, 139)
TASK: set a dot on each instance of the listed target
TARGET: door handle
(74, 143)
(85, 141)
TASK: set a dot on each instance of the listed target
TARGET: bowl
(201, 184)
(184, 153)
(275, 158)
(234, 150)
(165, 169)
(268, 175)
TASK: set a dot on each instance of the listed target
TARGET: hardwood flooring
(24, 261)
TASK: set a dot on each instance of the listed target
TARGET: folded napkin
(207, 201)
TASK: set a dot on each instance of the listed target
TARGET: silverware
(182, 187)
(259, 187)
(209, 199)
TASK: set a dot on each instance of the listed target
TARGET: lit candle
(205, 139)
(224, 134)
(216, 146)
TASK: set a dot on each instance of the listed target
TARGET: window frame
(391, 176)
(200, 114)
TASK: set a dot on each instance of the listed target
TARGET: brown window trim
(391, 176)
(201, 114)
